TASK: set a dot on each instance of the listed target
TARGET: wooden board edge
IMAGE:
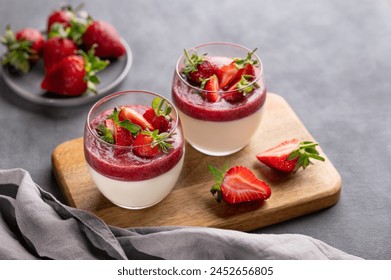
(60, 177)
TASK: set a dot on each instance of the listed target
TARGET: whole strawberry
(288, 156)
(23, 48)
(238, 184)
(106, 37)
(74, 74)
(62, 16)
(198, 68)
(55, 49)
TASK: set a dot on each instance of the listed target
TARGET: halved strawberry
(227, 74)
(134, 117)
(143, 146)
(122, 136)
(212, 89)
(150, 143)
(198, 68)
(159, 114)
(233, 72)
(238, 184)
(288, 156)
(240, 89)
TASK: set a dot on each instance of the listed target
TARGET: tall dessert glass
(226, 122)
(129, 170)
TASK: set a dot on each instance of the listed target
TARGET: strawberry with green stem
(231, 73)
(198, 68)
(148, 144)
(23, 48)
(159, 114)
(289, 156)
(74, 74)
(238, 184)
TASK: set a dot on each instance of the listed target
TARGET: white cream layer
(220, 138)
(137, 194)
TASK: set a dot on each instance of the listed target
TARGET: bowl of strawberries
(75, 61)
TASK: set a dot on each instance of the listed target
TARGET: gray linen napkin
(34, 225)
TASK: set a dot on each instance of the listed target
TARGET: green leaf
(114, 115)
(131, 127)
(191, 65)
(161, 107)
(241, 62)
(105, 133)
(163, 140)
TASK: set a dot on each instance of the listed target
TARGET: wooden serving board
(191, 204)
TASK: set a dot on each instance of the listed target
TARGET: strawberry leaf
(19, 51)
(161, 107)
(218, 176)
(241, 62)
(128, 125)
(162, 140)
(92, 65)
(303, 153)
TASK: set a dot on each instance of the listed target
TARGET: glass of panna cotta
(134, 147)
(219, 91)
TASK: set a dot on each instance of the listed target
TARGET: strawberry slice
(238, 184)
(288, 156)
(227, 74)
(158, 122)
(212, 89)
(159, 114)
(134, 117)
(122, 136)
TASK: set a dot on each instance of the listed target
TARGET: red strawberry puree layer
(126, 166)
(189, 101)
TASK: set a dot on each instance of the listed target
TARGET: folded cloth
(35, 225)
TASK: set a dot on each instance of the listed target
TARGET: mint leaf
(131, 127)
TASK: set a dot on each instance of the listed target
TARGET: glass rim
(119, 93)
(260, 74)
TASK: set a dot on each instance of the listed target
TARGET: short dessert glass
(220, 128)
(127, 180)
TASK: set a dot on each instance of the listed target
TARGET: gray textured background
(331, 60)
